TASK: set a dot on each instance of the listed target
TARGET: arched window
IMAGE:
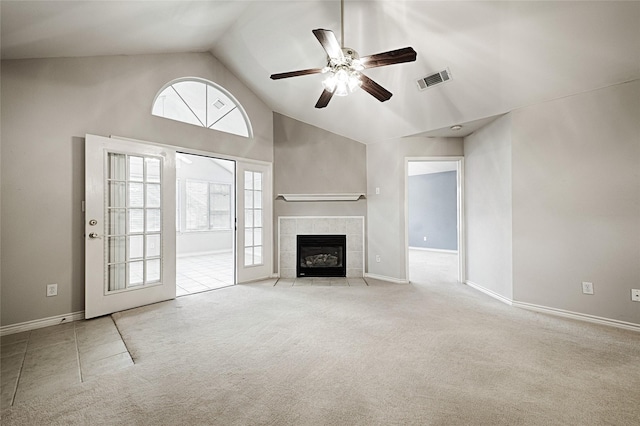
(202, 103)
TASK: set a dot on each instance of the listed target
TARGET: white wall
(576, 202)
(386, 211)
(487, 180)
(48, 105)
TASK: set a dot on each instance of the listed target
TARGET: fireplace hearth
(321, 256)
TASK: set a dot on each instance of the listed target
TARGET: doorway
(434, 226)
(205, 223)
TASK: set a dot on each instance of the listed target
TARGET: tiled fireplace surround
(291, 226)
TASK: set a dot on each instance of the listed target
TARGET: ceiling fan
(344, 67)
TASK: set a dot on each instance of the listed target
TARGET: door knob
(93, 235)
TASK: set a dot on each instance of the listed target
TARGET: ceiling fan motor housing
(350, 60)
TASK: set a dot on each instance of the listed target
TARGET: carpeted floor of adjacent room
(429, 353)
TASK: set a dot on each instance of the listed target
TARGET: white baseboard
(203, 253)
(488, 292)
(555, 311)
(384, 278)
(578, 316)
(434, 250)
(41, 323)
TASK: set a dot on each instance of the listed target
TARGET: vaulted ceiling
(502, 55)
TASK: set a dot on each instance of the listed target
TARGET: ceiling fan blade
(295, 73)
(406, 54)
(329, 42)
(325, 97)
(374, 89)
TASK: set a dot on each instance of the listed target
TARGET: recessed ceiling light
(456, 127)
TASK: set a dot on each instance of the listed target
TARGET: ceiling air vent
(433, 79)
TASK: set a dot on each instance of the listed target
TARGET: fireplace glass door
(321, 256)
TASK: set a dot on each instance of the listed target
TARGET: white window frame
(214, 86)
(209, 227)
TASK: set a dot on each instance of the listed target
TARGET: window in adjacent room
(202, 103)
(208, 206)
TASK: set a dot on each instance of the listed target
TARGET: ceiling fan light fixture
(357, 65)
(342, 81)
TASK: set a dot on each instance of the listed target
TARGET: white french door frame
(100, 231)
(249, 266)
(252, 273)
(459, 160)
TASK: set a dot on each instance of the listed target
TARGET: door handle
(93, 236)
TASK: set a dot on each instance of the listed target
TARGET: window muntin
(133, 224)
(202, 103)
(253, 218)
(207, 206)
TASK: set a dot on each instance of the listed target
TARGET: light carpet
(386, 354)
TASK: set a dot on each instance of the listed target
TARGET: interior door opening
(205, 223)
(434, 221)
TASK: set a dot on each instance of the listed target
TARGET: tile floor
(204, 272)
(36, 363)
(321, 281)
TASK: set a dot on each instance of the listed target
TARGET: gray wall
(487, 204)
(576, 202)
(48, 105)
(386, 211)
(433, 211)
(552, 198)
(310, 160)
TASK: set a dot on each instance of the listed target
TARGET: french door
(130, 224)
(254, 217)
(130, 234)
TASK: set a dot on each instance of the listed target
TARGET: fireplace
(289, 227)
(321, 256)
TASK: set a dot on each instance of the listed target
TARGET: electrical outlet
(587, 287)
(377, 258)
(52, 290)
(377, 191)
(424, 238)
(635, 294)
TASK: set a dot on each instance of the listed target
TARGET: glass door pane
(255, 241)
(253, 214)
(134, 221)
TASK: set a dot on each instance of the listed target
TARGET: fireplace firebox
(321, 256)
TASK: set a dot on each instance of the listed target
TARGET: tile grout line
(24, 356)
(115, 324)
(75, 338)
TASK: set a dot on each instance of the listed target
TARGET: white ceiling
(502, 54)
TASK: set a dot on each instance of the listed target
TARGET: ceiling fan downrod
(342, 24)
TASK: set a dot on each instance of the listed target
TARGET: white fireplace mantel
(322, 197)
